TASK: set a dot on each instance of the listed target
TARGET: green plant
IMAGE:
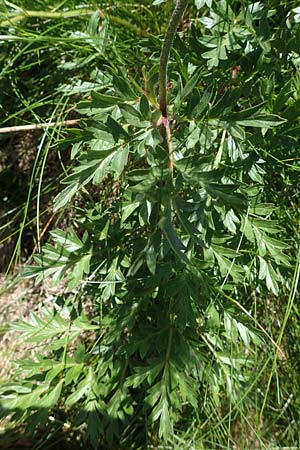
(172, 239)
(49, 59)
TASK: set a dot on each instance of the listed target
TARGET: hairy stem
(165, 53)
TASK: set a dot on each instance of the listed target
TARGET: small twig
(38, 126)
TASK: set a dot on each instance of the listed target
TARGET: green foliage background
(176, 318)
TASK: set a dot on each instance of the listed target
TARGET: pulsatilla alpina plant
(171, 229)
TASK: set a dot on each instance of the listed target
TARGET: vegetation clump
(172, 248)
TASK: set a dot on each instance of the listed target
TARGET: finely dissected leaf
(132, 116)
(114, 406)
(82, 389)
(49, 324)
(165, 242)
(128, 209)
(203, 104)
(253, 117)
(213, 317)
(94, 168)
(69, 252)
(230, 221)
(144, 107)
(200, 3)
(73, 374)
(257, 229)
(188, 227)
(263, 209)
(227, 267)
(226, 193)
(113, 277)
(165, 423)
(262, 121)
(53, 373)
(152, 253)
(191, 84)
(94, 423)
(65, 197)
(69, 241)
(121, 84)
(268, 273)
(31, 400)
(100, 101)
(120, 160)
(52, 397)
(174, 241)
(282, 97)
(116, 129)
(149, 373)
